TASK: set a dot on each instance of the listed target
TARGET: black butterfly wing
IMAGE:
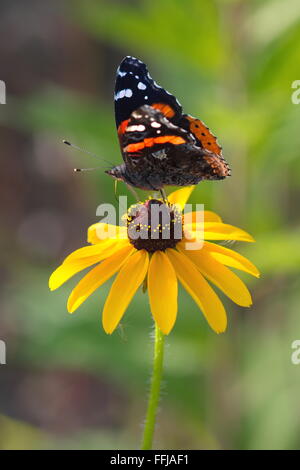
(148, 127)
(135, 88)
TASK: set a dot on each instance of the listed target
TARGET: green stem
(154, 389)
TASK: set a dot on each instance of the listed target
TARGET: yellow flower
(158, 264)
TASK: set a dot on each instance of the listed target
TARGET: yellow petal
(220, 231)
(123, 289)
(97, 276)
(100, 231)
(163, 289)
(102, 250)
(221, 276)
(208, 216)
(81, 259)
(231, 258)
(66, 271)
(180, 196)
(195, 284)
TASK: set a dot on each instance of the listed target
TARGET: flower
(157, 262)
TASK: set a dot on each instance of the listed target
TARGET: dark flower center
(154, 226)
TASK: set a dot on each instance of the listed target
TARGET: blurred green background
(66, 384)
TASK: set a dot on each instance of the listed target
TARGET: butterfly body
(160, 145)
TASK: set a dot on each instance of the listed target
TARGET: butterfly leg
(163, 195)
(133, 192)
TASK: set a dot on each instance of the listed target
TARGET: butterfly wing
(205, 138)
(156, 138)
(135, 87)
(208, 141)
(148, 131)
(150, 138)
(157, 153)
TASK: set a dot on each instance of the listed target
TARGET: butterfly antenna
(88, 169)
(87, 152)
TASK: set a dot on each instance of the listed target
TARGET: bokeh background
(66, 384)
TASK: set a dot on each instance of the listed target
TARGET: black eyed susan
(141, 254)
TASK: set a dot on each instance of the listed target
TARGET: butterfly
(160, 145)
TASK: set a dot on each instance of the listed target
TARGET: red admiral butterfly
(160, 145)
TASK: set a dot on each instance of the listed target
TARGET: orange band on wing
(172, 139)
(165, 109)
(122, 127)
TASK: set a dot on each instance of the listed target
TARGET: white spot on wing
(155, 124)
(136, 128)
(136, 115)
(123, 93)
(120, 95)
(142, 86)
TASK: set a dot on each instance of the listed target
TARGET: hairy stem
(154, 390)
